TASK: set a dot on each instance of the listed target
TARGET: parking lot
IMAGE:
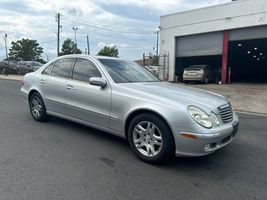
(63, 160)
(246, 97)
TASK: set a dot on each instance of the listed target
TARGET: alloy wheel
(36, 107)
(147, 138)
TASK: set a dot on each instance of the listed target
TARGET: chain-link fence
(159, 65)
(164, 67)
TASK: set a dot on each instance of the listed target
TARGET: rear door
(84, 101)
(53, 84)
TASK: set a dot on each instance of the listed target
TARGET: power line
(118, 46)
(146, 47)
(47, 41)
(122, 47)
(105, 28)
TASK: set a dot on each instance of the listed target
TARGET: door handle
(42, 81)
(70, 87)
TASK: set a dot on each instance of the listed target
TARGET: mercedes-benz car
(158, 119)
(202, 73)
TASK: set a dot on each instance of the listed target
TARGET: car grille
(226, 113)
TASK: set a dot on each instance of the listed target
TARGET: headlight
(200, 116)
(215, 119)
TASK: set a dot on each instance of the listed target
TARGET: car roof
(88, 56)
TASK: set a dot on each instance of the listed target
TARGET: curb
(251, 113)
(5, 79)
(11, 79)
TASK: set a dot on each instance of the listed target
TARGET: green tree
(109, 51)
(25, 49)
(69, 47)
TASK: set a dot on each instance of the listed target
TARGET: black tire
(42, 117)
(167, 145)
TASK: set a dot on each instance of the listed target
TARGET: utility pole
(75, 29)
(6, 47)
(157, 50)
(144, 59)
(88, 46)
(58, 32)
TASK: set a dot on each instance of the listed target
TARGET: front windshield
(196, 67)
(127, 72)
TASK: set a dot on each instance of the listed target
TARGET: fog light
(211, 146)
(207, 147)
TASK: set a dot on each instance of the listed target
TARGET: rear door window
(48, 69)
(63, 67)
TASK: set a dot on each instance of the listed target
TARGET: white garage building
(231, 37)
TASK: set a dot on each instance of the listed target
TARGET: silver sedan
(158, 119)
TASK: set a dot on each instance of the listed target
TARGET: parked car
(120, 97)
(25, 67)
(153, 69)
(8, 67)
(201, 73)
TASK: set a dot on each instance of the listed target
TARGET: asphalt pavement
(63, 160)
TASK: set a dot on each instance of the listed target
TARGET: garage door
(200, 45)
(259, 32)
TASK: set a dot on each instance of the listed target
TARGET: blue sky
(134, 22)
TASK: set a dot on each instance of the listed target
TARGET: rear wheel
(151, 138)
(37, 108)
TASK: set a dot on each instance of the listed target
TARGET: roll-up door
(199, 45)
(258, 32)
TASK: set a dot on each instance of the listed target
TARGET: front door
(84, 101)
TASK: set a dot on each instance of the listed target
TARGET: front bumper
(201, 144)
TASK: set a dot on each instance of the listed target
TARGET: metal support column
(224, 56)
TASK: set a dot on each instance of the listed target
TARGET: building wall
(233, 15)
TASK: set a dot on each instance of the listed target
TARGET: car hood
(170, 92)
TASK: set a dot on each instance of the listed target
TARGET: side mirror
(98, 81)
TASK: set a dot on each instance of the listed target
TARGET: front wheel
(151, 138)
(37, 108)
